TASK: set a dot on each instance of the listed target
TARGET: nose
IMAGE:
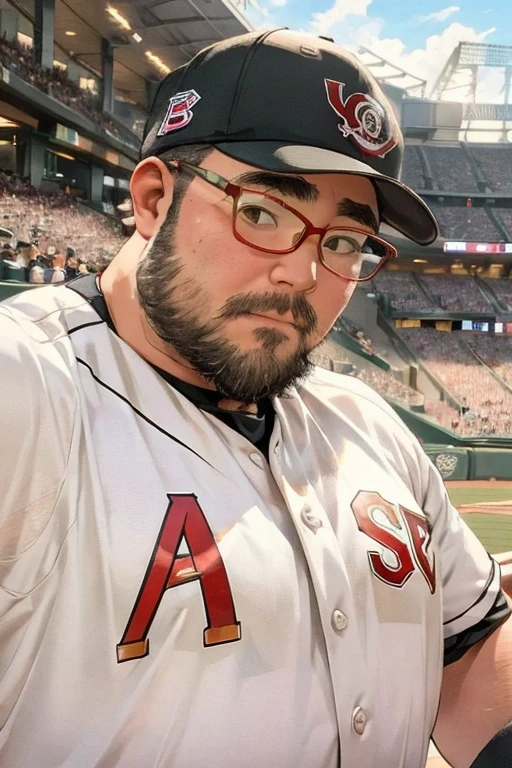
(297, 269)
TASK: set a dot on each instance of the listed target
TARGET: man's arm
(476, 697)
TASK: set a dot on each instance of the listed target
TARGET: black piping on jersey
(481, 597)
(139, 413)
(456, 646)
(86, 325)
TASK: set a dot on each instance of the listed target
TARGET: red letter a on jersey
(184, 519)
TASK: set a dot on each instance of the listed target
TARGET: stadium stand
(403, 289)
(502, 288)
(504, 217)
(451, 168)
(496, 352)
(456, 293)
(488, 403)
(56, 221)
(413, 173)
(20, 60)
(495, 164)
(460, 223)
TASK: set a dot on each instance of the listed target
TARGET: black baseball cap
(290, 102)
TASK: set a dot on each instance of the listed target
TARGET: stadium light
(118, 17)
(158, 63)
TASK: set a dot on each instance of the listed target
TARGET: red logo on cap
(364, 120)
(179, 112)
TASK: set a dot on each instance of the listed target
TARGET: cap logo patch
(179, 112)
(364, 120)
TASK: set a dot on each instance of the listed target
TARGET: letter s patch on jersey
(405, 535)
(184, 519)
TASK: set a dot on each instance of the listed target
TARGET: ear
(151, 189)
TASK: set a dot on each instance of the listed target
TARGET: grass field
(468, 495)
(494, 531)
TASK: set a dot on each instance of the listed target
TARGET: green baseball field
(487, 508)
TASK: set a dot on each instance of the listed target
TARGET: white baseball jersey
(171, 599)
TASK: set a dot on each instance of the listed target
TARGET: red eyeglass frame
(235, 190)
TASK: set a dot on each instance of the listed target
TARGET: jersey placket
(331, 585)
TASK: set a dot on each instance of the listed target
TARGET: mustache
(304, 315)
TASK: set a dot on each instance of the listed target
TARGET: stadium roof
(171, 31)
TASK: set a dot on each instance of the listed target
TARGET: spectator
(55, 82)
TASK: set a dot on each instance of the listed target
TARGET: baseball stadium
(432, 332)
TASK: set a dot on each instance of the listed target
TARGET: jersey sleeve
(473, 602)
(36, 407)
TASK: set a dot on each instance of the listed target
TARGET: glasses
(268, 224)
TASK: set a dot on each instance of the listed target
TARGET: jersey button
(308, 518)
(359, 720)
(256, 459)
(339, 620)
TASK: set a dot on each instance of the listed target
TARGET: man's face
(244, 319)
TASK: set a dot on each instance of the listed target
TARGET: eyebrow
(359, 212)
(305, 192)
(292, 186)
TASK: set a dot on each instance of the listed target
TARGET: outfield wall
(471, 463)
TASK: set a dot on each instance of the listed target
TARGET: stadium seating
(496, 351)
(450, 168)
(502, 287)
(460, 223)
(20, 60)
(403, 290)
(488, 404)
(456, 293)
(412, 170)
(496, 165)
(504, 216)
(56, 221)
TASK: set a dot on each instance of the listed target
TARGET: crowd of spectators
(495, 351)
(504, 216)
(412, 169)
(403, 290)
(496, 165)
(450, 168)
(466, 224)
(52, 225)
(456, 293)
(357, 333)
(55, 82)
(389, 386)
(502, 288)
(386, 383)
(487, 404)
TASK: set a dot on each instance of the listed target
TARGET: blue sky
(419, 39)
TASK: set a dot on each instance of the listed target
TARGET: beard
(174, 306)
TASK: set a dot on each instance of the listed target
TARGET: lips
(282, 319)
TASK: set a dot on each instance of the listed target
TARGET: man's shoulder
(349, 397)
(330, 384)
(47, 311)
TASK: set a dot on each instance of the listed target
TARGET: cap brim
(399, 206)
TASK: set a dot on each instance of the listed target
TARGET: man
(72, 263)
(221, 555)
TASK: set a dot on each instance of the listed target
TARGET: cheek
(329, 301)
(214, 256)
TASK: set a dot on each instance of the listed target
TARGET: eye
(341, 245)
(258, 215)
